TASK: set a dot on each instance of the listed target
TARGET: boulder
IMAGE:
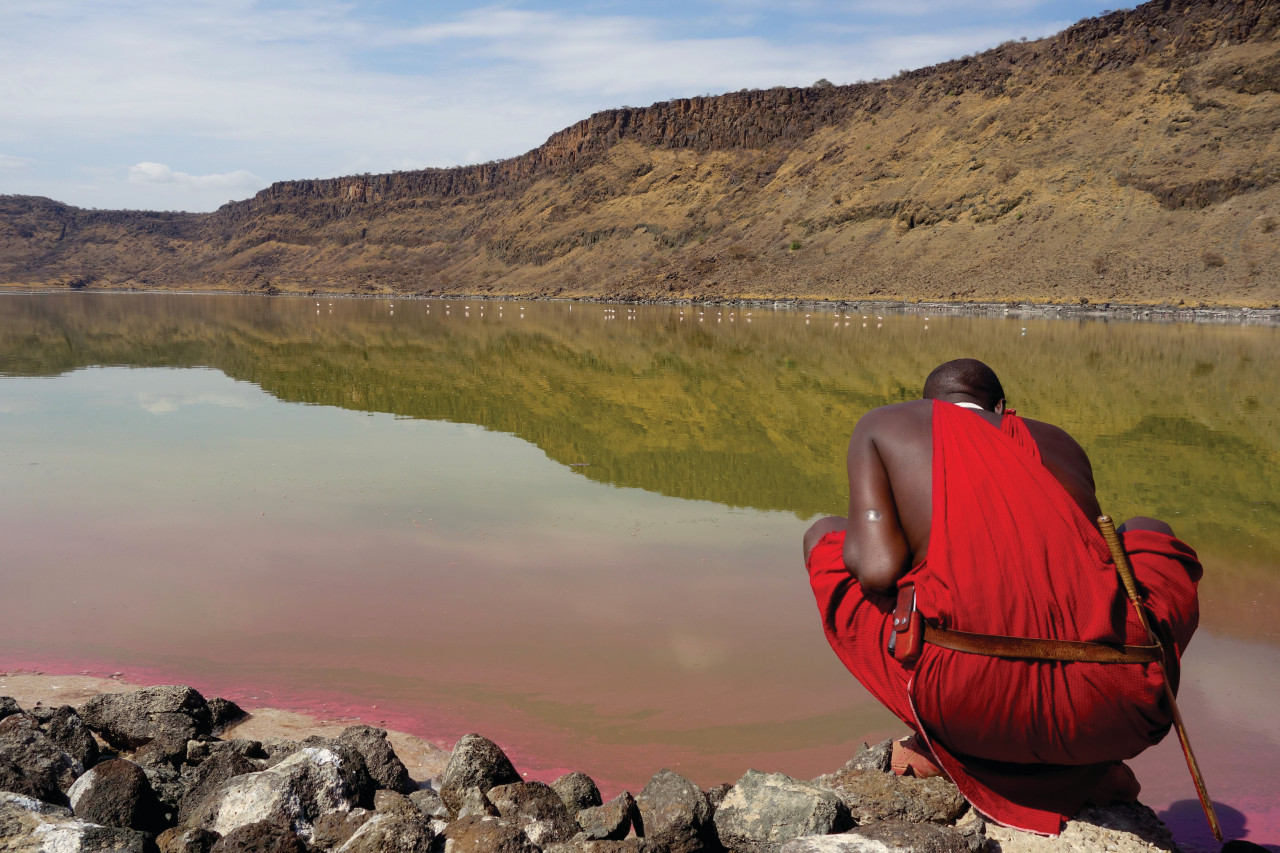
(476, 762)
(766, 809)
(28, 825)
(1119, 828)
(8, 705)
(294, 793)
(262, 836)
(209, 775)
(717, 793)
(170, 784)
(485, 834)
(206, 748)
(223, 711)
(878, 757)
(387, 770)
(475, 804)
(578, 844)
(186, 840)
(611, 821)
(536, 809)
(130, 720)
(395, 827)
(578, 791)
(873, 796)
(675, 814)
(64, 727)
(117, 793)
(31, 763)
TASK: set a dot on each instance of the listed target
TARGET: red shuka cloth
(1011, 553)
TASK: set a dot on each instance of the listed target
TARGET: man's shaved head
(965, 376)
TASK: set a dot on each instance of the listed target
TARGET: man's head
(965, 378)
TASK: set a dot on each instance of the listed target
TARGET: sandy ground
(424, 760)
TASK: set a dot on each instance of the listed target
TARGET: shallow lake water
(575, 528)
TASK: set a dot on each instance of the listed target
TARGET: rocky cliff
(1131, 158)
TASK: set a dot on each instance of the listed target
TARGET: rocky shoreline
(1084, 309)
(163, 768)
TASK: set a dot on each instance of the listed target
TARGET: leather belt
(994, 645)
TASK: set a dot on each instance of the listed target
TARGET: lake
(573, 527)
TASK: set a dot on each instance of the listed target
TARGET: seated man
(992, 519)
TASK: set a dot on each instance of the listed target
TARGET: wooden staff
(1121, 559)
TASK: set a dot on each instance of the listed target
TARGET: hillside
(1132, 158)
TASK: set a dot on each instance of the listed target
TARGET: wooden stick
(1108, 529)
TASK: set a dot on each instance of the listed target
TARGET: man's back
(890, 485)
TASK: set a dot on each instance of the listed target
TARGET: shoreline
(1022, 309)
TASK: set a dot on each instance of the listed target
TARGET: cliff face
(1131, 158)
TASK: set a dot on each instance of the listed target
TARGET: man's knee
(821, 528)
(1141, 522)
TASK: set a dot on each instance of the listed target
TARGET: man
(986, 523)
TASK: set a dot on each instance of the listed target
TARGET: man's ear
(1000, 407)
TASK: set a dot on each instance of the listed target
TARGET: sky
(188, 104)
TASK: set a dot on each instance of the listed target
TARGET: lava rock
(117, 793)
(429, 803)
(766, 809)
(610, 821)
(484, 834)
(8, 705)
(717, 793)
(873, 796)
(398, 828)
(536, 808)
(32, 764)
(64, 727)
(29, 824)
(212, 773)
(475, 804)
(130, 720)
(675, 814)
(387, 770)
(578, 791)
(294, 793)
(1118, 828)
(263, 836)
(223, 711)
(186, 840)
(476, 762)
(333, 828)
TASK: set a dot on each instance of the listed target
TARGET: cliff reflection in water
(745, 407)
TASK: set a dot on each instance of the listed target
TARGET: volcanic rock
(387, 770)
(117, 793)
(675, 814)
(578, 791)
(477, 762)
(766, 809)
(130, 720)
(536, 809)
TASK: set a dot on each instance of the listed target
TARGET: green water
(572, 527)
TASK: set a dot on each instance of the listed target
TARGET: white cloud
(158, 173)
(9, 163)
(164, 403)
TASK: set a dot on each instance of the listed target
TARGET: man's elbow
(874, 578)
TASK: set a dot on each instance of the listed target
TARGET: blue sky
(177, 105)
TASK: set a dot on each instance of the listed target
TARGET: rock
(475, 804)
(716, 794)
(294, 793)
(387, 770)
(117, 793)
(765, 809)
(536, 809)
(262, 836)
(223, 765)
(332, 829)
(887, 836)
(170, 784)
(878, 757)
(186, 840)
(278, 749)
(974, 830)
(579, 844)
(873, 796)
(429, 803)
(223, 711)
(674, 814)
(477, 762)
(393, 830)
(32, 763)
(484, 834)
(64, 727)
(611, 821)
(28, 825)
(130, 720)
(167, 748)
(1120, 828)
(202, 750)
(8, 705)
(577, 791)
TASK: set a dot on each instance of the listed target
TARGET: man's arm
(876, 551)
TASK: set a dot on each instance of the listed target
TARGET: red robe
(1011, 553)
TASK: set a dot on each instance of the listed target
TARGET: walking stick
(1108, 529)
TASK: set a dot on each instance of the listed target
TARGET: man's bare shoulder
(895, 415)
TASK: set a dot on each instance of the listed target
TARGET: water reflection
(571, 526)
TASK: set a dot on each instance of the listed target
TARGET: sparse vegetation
(1212, 259)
